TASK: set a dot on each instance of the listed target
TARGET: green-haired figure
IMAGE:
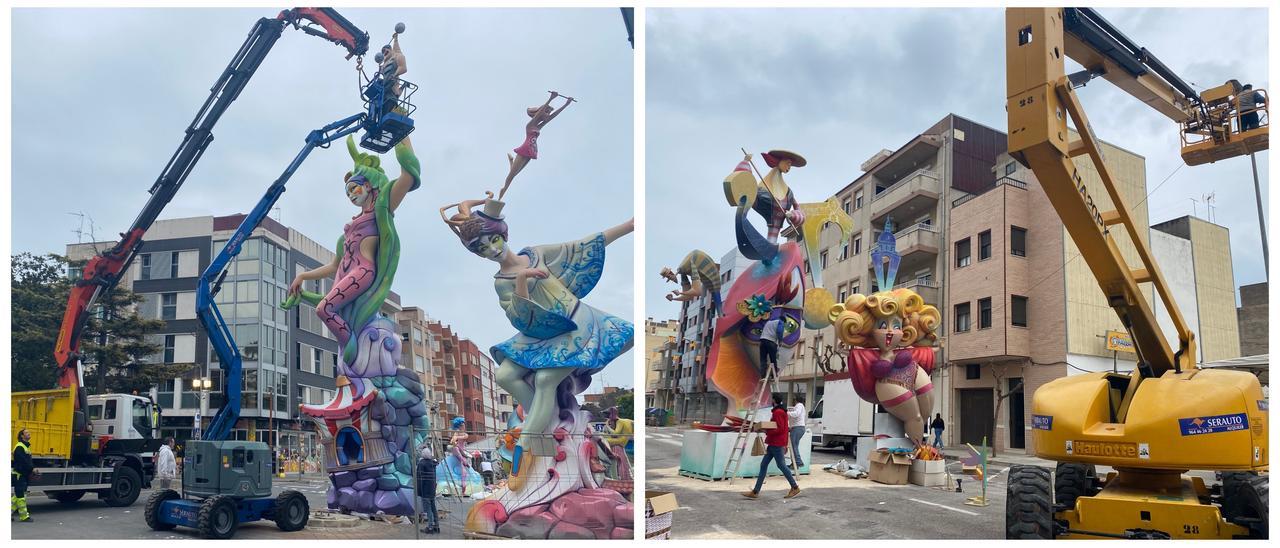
(368, 251)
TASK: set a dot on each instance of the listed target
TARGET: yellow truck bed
(47, 414)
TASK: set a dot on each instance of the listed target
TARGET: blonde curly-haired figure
(891, 333)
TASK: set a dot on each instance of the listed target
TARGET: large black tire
(1028, 508)
(153, 509)
(126, 485)
(1245, 502)
(292, 511)
(217, 518)
(1071, 481)
(67, 497)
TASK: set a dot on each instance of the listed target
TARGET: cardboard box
(935, 479)
(766, 425)
(659, 506)
(889, 468)
(919, 466)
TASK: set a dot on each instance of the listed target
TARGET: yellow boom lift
(1168, 416)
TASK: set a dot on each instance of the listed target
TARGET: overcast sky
(101, 98)
(839, 85)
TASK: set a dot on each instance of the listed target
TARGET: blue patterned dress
(556, 329)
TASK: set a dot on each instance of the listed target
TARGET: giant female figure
(560, 343)
(378, 413)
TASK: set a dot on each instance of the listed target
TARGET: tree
(1001, 395)
(39, 290)
(626, 405)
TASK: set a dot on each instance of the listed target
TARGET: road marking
(671, 442)
(944, 506)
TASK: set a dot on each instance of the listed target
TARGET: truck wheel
(153, 510)
(1028, 507)
(66, 497)
(291, 511)
(1247, 500)
(1231, 484)
(1073, 480)
(217, 517)
(126, 485)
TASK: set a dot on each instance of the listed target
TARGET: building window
(1010, 167)
(962, 317)
(857, 244)
(844, 252)
(1018, 241)
(853, 290)
(169, 341)
(173, 264)
(1019, 313)
(857, 199)
(144, 266)
(824, 260)
(845, 205)
(984, 245)
(842, 295)
(168, 306)
(972, 371)
(984, 313)
(962, 253)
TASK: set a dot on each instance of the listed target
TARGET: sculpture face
(784, 165)
(358, 190)
(489, 246)
(887, 332)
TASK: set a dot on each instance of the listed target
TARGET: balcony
(927, 287)
(908, 198)
(918, 238)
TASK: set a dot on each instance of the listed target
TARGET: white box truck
(840, 417)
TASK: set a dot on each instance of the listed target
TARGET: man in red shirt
(775, 440)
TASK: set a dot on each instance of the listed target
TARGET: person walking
(775, 440)
(427, 488)
(22, 470)
(796, 416)
(166, 464)
(938, 426)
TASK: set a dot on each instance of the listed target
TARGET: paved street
(829, 506)
(90, 518)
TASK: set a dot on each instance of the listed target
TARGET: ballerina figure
(538, 117)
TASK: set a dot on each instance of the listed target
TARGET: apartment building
(464, 383)
(692, 398)
(289, 357)
(1252, 319)
(913, 186)
(416, 347)
(658, 387)
(1025, 308)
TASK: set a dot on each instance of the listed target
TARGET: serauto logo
(1209, 425)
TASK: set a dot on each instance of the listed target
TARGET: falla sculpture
(890, 333)
(560, 343)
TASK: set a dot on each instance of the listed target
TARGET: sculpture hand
(531, 273)
(295, 285)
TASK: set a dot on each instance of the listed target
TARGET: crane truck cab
(113, 458)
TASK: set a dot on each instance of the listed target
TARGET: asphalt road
(90, 518)
(828, 507)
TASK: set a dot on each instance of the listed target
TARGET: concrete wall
(1173, 254)
(1252, 319)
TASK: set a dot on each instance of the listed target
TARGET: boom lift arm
(103, 272)
(211, 280)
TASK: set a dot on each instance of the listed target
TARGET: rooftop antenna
(1208, 205)
(1194, 212)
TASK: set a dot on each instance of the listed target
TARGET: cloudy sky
(839, 85)
(101, 98)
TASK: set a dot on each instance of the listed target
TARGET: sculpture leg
(901, 403)
(517, 164)
(924, 398)
(543, 411)
(343, 292)
(511, 377)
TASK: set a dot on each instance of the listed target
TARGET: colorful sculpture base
(370, 428)
(452, 480)
(556, 497)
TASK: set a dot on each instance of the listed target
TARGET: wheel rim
(223, 520)
(124, 487)
(295, 511)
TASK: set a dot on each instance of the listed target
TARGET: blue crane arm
(210, 282)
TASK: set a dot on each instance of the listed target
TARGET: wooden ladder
(745, 431)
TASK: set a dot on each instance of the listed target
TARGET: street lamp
(203, 385)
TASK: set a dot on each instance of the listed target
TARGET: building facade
(289, 357)
(1252, 319)
(657, 334)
